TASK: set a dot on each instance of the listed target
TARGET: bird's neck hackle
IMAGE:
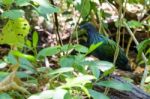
(94, 36)
(92, 31)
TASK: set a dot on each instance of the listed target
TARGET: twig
(56, 24)
(129, 43)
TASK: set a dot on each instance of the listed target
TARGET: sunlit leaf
(47, 94)
(7, 2)
(2, 64)
(80, 80)
(61, 70)
(147, 80)
(59, 94)
(35, 39)
(19, 54)
(14, 32)
(93, 47)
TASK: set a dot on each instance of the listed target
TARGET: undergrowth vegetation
(62, 70)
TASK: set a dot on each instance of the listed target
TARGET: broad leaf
(61, 70)
(142, 46)
(13, 14)
(22, 2)
(59, 94)
(7, 2)
(49, 51)
(84, 8)
(67, 61)
(21, 55)
(3, 75)
(5, 96)
(14, 32)
(116, 85)
(134, 24)
(81, 48)
(97, 95)
(24, 63)
(81, 80)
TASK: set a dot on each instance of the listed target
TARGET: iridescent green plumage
(107, 49)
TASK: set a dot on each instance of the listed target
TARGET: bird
(107, 49)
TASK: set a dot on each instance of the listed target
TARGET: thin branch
(56, 24)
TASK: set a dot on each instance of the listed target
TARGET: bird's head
(88, 26)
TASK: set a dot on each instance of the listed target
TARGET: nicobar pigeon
(107, 49)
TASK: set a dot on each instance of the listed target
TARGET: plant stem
(143, 56)
(56, 24)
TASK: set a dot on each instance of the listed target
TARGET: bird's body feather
(107, 49)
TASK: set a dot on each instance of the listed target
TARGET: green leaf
(23, 75)
(116, 85)
(28, 43)
(44, 10)
(24, 63)
(49, 51)
(134, 24)
(142, 46)
(95, 71)
(13, 14)
(59, 94)
(14, 32)
(22, 2)
(84, 8)
(51, 94)
(7, 2)
(11, 59)
(61, 70)
(80, 80)
(35, 39)
(3, 75)
(66, 61)
(81, 48)
(19, 54)
(93, 47)
(97, 95)
(47, 94)
(67, 47)
(104, 65)
(5, 96)
(45, 7)
(42, 2)
(97, 66)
